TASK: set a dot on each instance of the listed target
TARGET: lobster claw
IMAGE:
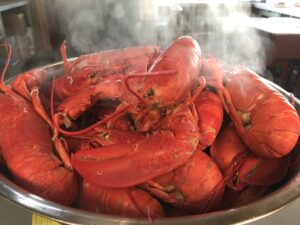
(125, 165)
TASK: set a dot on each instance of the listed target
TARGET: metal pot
(267, 205)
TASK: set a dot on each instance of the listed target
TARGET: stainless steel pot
(267, 205)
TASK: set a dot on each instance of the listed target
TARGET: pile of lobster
(141, 132)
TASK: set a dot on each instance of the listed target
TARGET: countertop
(287, 10)
(13, 215)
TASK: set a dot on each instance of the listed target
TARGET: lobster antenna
(8, 48)
(229, 107)
(142, 75)
(199, 90)
(63, 52)
(55, 126)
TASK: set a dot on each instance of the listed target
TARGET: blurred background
(264, 35)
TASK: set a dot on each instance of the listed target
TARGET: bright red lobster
(175, 144)
(265, 120)
(28, 152)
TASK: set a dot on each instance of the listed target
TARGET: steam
(233, 39)
(222, 29)
(93, 25)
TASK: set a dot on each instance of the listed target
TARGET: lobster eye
(149, 93)
(92, 75)
(104, 135)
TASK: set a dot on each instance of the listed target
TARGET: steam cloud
(232, 38)
(93, 25)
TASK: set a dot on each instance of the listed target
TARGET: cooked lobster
(28, 151)
(265, 120)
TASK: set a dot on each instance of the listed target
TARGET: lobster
(241, 167)
(168, 81)
(134, 157)
(28, 152)
(129, 202)
(265, 120)
(88, 70)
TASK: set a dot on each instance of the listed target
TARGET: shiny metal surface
(275, 201)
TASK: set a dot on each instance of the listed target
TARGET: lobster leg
(163, 192)
(63, 52)
(39, 108)
(61, 148)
